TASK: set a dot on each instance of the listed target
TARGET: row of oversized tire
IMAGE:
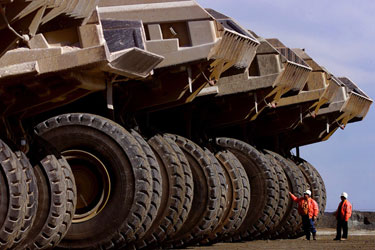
(167, 192)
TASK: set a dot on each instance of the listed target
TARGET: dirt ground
(357, 240)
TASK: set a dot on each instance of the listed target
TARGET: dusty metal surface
(179, 49)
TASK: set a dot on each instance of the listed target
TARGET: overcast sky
(339, 35)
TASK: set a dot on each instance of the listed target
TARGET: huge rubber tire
(316, 182)
(172, 197)
(264, 190)
(291, 219)
(31, 200)
(97, 144)
(71, 198)
(274, 218)
(239, 206)
(246, 199)
(189, 186)
(298, 231)
(316, 185)
(225, 200)
(323, 204)
(282, 206)
(157, 183)
(52, 205)
(207, 193)
(13, 192)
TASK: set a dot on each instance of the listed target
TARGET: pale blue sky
(339, 35)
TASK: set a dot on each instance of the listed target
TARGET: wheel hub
(93, 184)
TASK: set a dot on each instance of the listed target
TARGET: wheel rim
(93, 184)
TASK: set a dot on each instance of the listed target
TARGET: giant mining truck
(131, 124)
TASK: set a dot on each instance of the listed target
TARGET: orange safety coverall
(311, 203)
(346, 210)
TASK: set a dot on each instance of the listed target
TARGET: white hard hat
(307, 192)
(344, 195)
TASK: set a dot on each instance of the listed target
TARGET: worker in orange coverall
(343, 213)
(308, 209)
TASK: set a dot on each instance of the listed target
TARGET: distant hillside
(359, 220)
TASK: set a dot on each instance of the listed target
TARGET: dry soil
(357, 240)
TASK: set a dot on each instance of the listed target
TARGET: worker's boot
(307, 236)
(314, 236)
